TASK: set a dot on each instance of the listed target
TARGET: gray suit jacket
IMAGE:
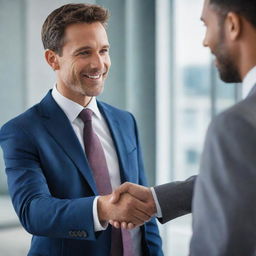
(175, 198)
(224, 203)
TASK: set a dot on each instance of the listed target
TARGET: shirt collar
(71, 108)
(249, 81)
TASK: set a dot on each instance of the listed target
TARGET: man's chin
(228, 73)
(230, 78)
(93, 92)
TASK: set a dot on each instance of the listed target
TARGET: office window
(191, 156)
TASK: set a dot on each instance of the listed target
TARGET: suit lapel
(119, 140)
(58, 125)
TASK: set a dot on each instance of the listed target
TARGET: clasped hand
(129, 206)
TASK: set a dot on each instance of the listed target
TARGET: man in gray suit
(224, 211)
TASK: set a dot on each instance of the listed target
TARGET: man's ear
(233, 25)
(52, 59)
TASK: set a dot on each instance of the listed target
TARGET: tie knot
(86, 114)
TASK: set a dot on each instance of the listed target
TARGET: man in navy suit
(60, 166)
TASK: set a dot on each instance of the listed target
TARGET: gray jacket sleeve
(175, 198)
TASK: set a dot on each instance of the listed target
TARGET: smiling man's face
(85, 61)
(216, 39)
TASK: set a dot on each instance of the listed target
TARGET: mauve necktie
(121, 244)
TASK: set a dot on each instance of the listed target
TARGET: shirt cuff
(96, 222)
(158, 208)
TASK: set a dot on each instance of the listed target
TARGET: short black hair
(53, 30)
(245, 8)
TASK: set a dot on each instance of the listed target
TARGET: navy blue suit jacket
(51, 184)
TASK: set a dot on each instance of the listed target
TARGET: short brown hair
(53, 30)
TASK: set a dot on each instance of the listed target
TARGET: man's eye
(84, 53)
(104, 50)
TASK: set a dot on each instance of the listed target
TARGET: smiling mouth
(94, 77)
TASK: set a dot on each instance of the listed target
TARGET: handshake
(129, 206)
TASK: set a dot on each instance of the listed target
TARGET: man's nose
(205, 42)
(96, 62)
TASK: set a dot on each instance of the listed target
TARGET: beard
(77, 83)
(228, 71)
(226, 64)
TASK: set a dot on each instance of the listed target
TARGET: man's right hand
(128, 209)
(142, 194)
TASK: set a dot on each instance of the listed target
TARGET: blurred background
(160, 72)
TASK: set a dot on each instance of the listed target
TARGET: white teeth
(94, 77)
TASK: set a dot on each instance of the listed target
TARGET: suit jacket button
(84, 234)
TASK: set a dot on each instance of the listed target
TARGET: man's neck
(74, 96)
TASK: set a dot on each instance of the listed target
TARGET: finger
(111, 222)
(117, 224)
(124, 225)
(135, 211)
(148, 209)
(140, 192)
(135, 217)
(139, 218)
(130, 226)
(115, 196)
(130, 209)
(117, 193)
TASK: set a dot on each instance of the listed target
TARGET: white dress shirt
(248, 82)
(72, 110)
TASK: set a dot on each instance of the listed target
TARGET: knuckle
(129, 203)
(125, 184)
(151, 208)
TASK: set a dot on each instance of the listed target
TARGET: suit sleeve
(224, 212)
(175, 198)
(39, 212)
(151, 234)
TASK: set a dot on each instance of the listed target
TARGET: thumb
(116, 194)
